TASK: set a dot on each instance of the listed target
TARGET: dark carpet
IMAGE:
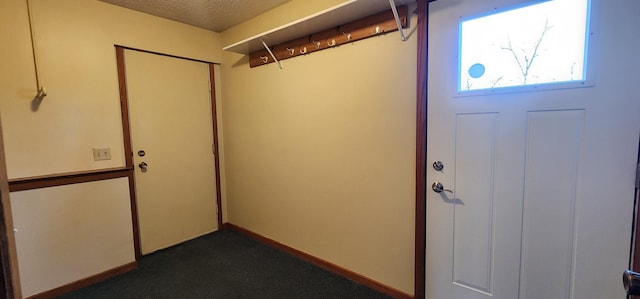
(225, 264)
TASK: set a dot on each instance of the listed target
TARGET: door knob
(438, 187)
(143, 166)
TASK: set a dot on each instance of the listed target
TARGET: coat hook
(291, 51)
(378, 30)
(348, 35)
(331, 43)
(303, 50)
(317, 44)
(265, 59)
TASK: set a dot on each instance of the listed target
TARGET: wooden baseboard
(395, 293)
(85, 282)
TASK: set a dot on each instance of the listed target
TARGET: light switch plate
(101, 153)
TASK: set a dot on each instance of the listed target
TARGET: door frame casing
(128, 149)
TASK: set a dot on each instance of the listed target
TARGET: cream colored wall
(71, 232)
(74, 42)
(320, 156)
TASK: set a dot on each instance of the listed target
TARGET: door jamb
(421, 150)
(128, 149)
(634, 254)
(216, 152)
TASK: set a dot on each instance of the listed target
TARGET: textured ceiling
(216, 15)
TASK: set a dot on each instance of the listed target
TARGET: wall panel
(68, 233)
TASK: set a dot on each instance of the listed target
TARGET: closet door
(171, 138)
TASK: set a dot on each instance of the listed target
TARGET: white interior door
(542, 181)
(170, 116)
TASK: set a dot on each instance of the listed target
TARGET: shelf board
(334, 16)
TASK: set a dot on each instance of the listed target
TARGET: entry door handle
(143, 166)
(437, 187)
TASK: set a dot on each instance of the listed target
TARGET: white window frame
(589, 73)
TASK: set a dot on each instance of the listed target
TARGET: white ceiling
(216, 15)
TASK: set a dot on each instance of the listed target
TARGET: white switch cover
(101, 153)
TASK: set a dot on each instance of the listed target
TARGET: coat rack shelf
(359, 18)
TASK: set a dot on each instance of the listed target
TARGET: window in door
(540, 45)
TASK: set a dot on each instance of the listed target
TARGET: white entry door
(542, 182)
(172, 134)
